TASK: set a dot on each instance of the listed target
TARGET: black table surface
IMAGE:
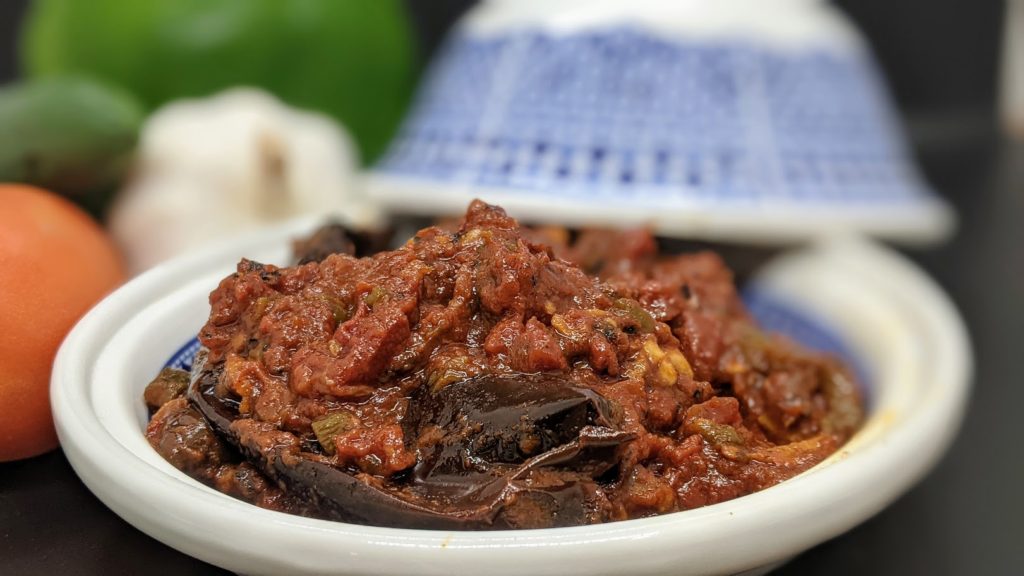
(966, 517)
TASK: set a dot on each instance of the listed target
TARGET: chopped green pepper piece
(635, 312)
(375, 295)
(339, 308)
(716, 434)
(328, 426)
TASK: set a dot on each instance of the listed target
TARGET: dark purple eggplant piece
(335, 238)
(338, 494)
(517, 452)
(490, 421)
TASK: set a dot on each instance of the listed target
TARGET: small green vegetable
(339, 308)
(374, 296)
(331, 425)
(71, 135)
(636, 313)
(716, 434)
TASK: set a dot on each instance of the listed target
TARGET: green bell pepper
(351, 59)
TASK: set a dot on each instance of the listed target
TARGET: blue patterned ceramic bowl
(760, 120)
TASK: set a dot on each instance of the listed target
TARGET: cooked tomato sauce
(495, 377)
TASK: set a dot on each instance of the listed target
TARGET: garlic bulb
(210, 168)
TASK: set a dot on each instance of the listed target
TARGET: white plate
(893, 319)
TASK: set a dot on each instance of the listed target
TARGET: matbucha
(492, 376)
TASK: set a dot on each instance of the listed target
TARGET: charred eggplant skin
(521, 451)
(488, 422)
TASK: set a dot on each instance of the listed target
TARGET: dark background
(967, 517)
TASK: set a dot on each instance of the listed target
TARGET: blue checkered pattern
(185, 356)
(621, 113)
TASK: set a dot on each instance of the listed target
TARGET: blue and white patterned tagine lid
(747, 120)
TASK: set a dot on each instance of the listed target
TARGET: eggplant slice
(334, 237)
(493, 452)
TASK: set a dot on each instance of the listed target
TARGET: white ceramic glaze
(894, 318)
(783, 23)
(776, 222)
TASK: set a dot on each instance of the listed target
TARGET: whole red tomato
(55, 263)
